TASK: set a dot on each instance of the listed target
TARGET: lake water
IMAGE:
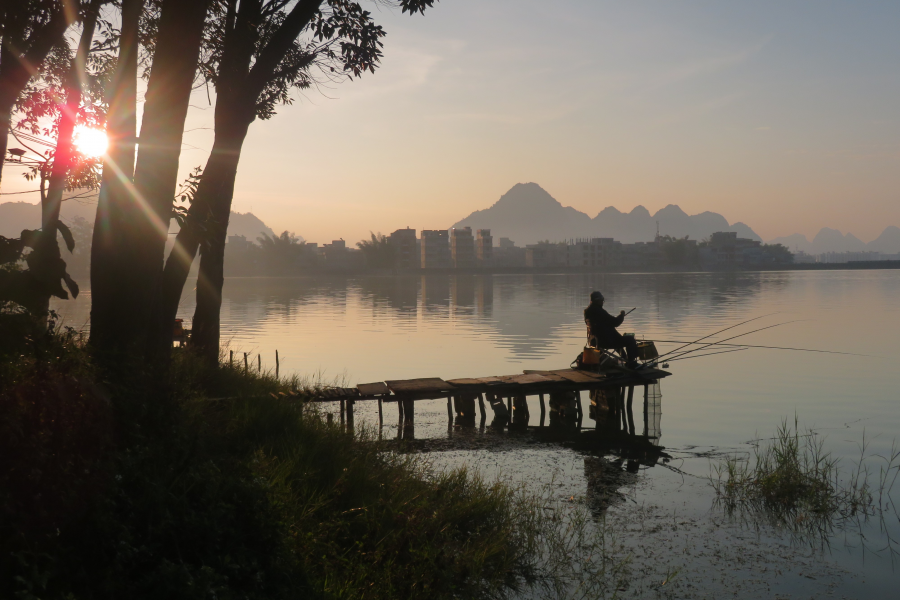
(377, 328)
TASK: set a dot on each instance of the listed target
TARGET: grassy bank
(220, 484)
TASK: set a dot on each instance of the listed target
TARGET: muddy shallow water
(666, 535)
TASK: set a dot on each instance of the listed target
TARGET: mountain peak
(609, 211)
(527, 213)
(670, 211)
(639, 211)
(527, 194)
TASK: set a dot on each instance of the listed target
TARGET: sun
(90, 142)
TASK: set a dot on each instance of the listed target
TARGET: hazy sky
(783, 115)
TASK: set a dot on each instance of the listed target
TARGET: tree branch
(261, 73)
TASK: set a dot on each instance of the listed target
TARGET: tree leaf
(70, 283)
(67, 236)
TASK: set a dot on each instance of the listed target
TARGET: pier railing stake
(277, 364)
(646, 403)
(231, 358)
(628, 410)
(259, 362)
(246, 366)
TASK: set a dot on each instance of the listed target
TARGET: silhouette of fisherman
(602, 329)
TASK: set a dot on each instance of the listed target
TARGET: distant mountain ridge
(527, 214)
(832, 240)
(16, 216)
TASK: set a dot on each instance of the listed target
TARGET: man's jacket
(603, 325)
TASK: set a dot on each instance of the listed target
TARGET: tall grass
(793, 481)
(225, 483)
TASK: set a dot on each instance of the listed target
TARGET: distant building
(405, 248)
(726, 249)
(484, 248)
(435, 249)
(508, 255)
(594, 252)
(545, 255)
(642, 255)
(338, 257)
(462, 248)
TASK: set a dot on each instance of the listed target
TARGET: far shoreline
(848, 266)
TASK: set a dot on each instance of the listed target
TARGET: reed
(794, 482)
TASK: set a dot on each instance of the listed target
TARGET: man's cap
(596, 296)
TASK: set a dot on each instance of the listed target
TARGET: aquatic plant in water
(793, 482)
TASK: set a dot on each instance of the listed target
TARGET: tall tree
(262, 56)
(30, 29)
(118, 174)
(47, 259)
(138, 219)
(379, 252)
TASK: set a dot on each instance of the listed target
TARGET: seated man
(602, 328)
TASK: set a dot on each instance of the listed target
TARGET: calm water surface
(373, 329)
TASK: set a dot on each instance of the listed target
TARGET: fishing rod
(630, 311)
(766, 347)
(715, 333)
(682, 357)
(703, 347)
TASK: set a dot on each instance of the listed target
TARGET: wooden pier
(611, 391)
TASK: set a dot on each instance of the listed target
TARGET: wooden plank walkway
(526, 384)
(514, 388)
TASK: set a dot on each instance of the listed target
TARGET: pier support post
(350, 404)
(342, 413)
(646, 408)
(543, 409)
(520, 410)
(629, 412)
(380, 413)
(450, 408)
(481, 406)
(501, 412)
(408, 411)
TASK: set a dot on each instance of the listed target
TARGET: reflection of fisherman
(602, 329)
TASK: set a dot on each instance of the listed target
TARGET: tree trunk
(48, 246)
(139, 221)
(118, 173)
(220, 177)
(178, 266)
(238, 89)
